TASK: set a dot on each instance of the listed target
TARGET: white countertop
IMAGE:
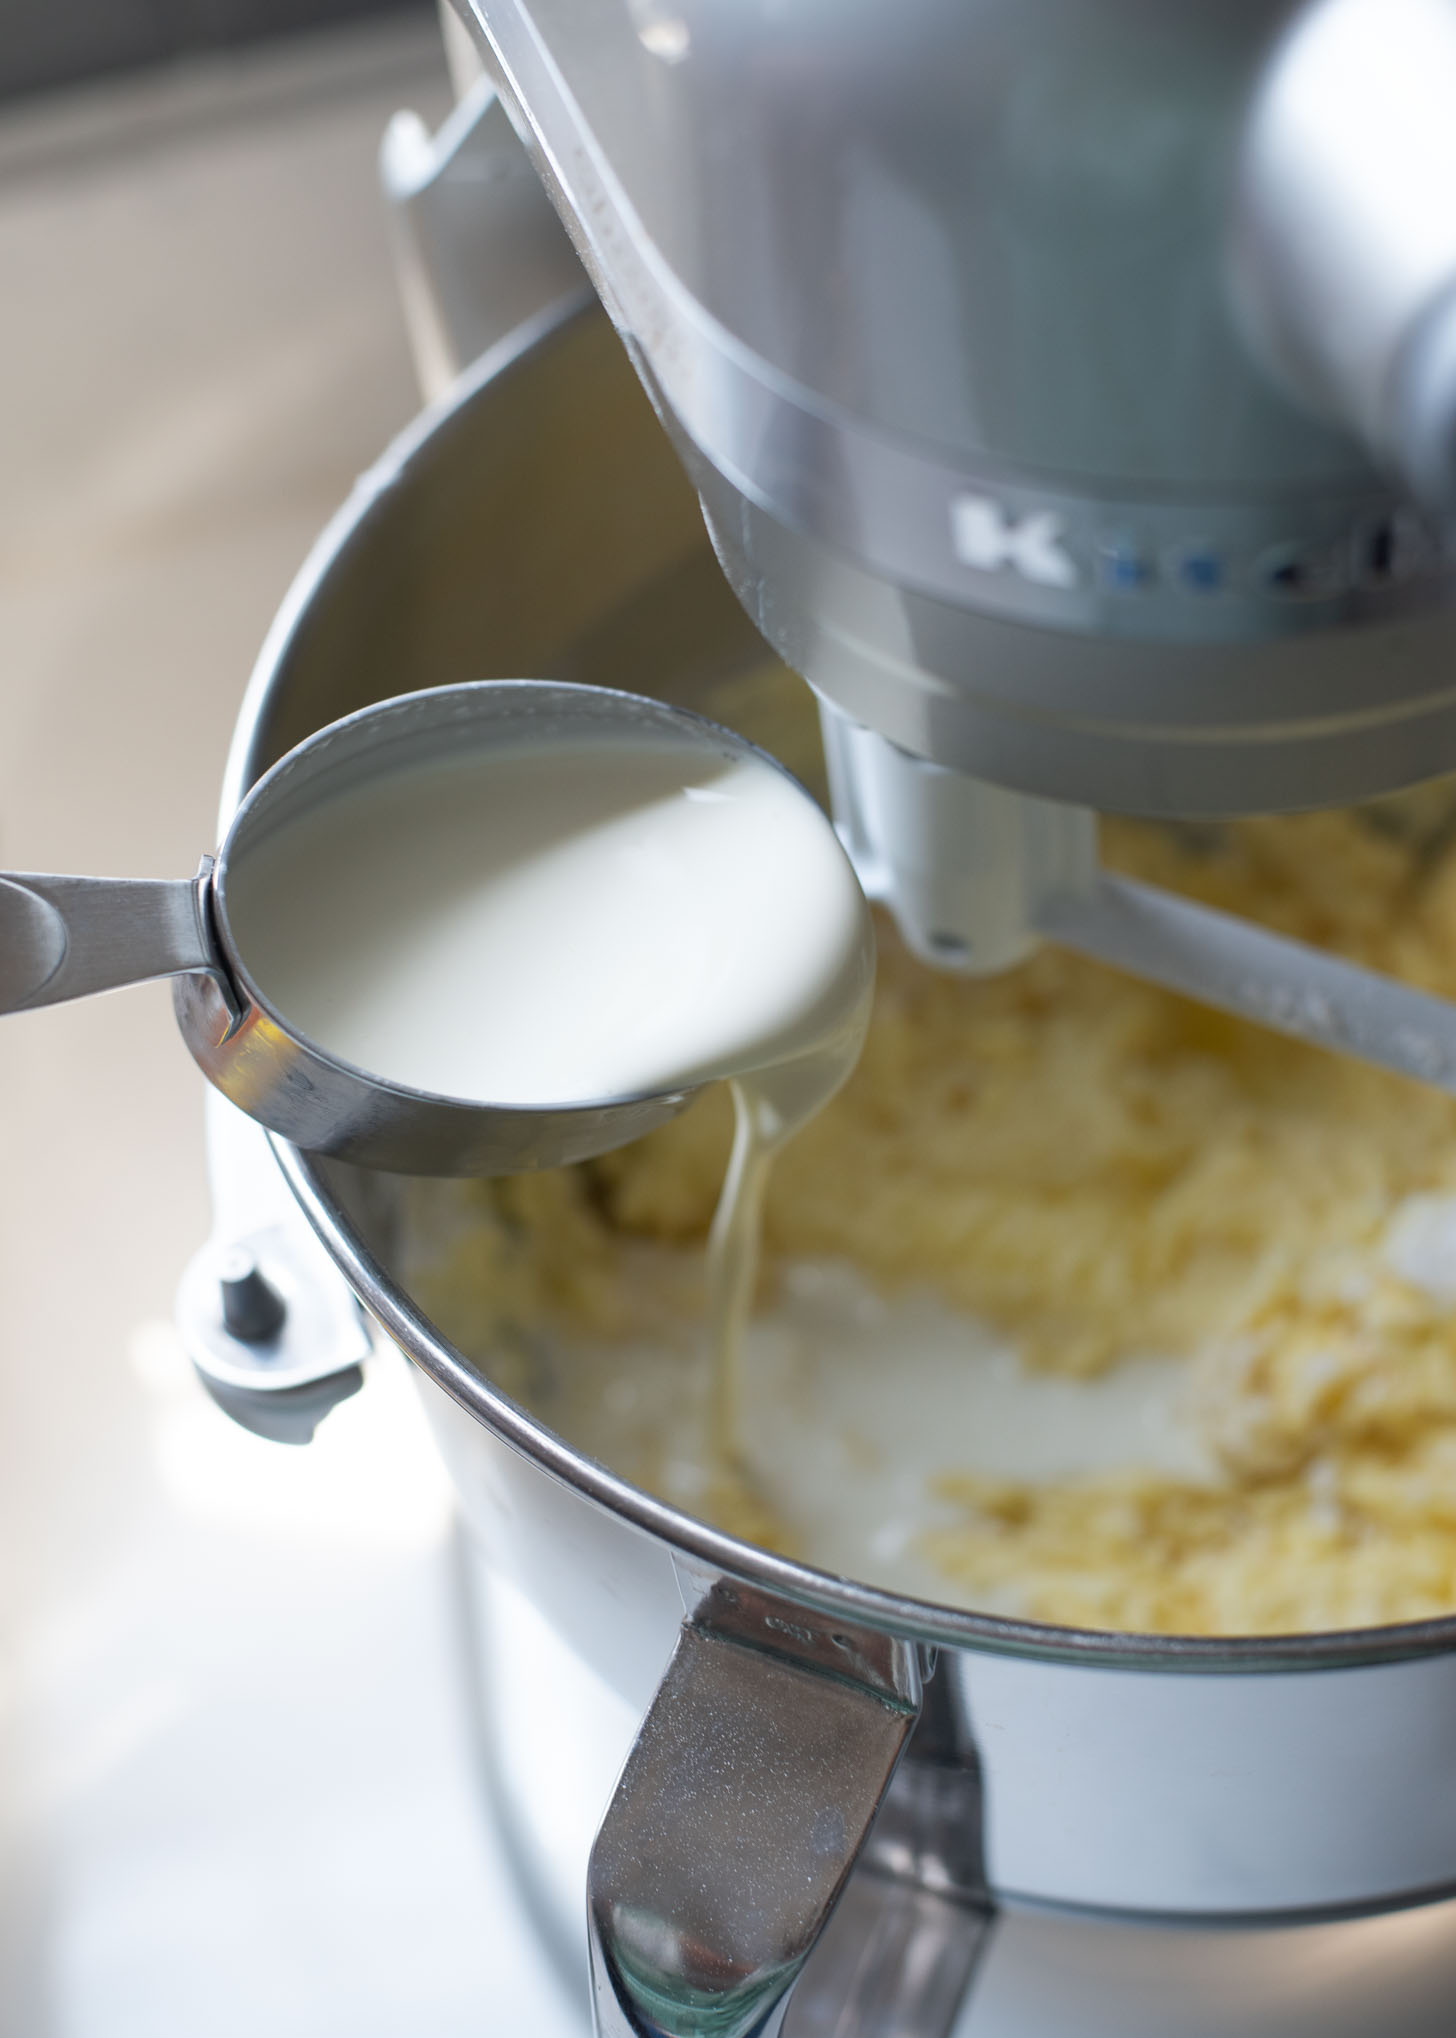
(236, 1792)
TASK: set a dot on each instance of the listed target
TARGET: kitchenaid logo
(985, 535)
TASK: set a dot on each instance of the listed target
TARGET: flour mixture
(1079, 1300)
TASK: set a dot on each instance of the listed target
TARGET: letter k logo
(985, 537)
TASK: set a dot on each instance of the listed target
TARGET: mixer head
(1070, 387)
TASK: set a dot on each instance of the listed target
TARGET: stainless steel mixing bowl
(1075, 1810)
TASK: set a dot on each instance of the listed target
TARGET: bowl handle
(753, 1783)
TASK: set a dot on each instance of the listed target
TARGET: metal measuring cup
(66, 937)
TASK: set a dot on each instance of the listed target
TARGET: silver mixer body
(1087, 1835)
(1070, 385)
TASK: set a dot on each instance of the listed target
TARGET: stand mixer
(1070, 391)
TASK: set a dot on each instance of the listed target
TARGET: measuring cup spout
(65, 937)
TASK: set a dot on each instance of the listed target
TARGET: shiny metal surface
(275, 1074)
(283, 1386)
(965, 866)
(477, 246)
(1127, 725)
(918, 1947)
(1097, 1769)
(1343, 239)
(978, 876)
(72, 936)
(353, 1221)
(1224, 961)
(747, 1796)
(896, 1961)
(1202, 1775)
(898, 1958)
(991, 230)
(288, 1357)
(69, 937)
(952, 346)
(1050, 1974)
(426, 568)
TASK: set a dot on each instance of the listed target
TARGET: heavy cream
(571, 923)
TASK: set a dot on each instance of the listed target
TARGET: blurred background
(46, 48)
(236, 1791)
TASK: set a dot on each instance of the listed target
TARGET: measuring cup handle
(65, 937)
(753, 1784)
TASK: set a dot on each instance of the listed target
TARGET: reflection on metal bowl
(536, 522)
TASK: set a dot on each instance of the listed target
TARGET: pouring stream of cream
(578, 922)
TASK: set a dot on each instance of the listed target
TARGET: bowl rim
(932, 1623)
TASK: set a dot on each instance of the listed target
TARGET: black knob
(251, 1309)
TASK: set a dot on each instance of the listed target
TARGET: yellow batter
(1106, 1171)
